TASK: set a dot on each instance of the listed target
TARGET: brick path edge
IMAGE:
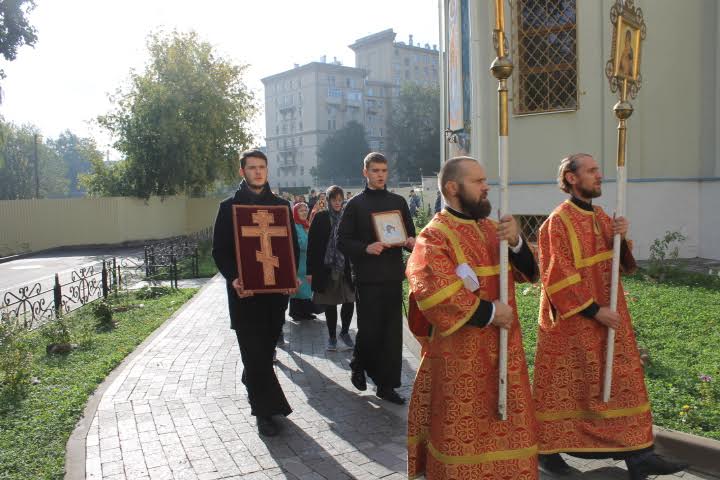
(75, 448)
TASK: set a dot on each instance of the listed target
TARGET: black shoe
(357, 376)
(653, 465)
(267, 426)
(390, 395)
(554, 464)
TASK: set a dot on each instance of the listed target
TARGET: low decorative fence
(48, 298)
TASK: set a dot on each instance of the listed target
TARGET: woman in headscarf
(301, 306)
(329, 270)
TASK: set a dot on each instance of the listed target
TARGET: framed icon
(264, 248)
(629, 31)
(390, 228)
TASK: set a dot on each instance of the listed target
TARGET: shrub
(148, 293)
(15, 356)
(102, 311)
(662, 251)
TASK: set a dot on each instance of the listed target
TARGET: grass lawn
(35, 429)
(678, 322)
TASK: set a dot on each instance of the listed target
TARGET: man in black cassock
(256, 319)
(378, 272)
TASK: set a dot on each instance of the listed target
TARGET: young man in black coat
(256, 319)
(378, 271)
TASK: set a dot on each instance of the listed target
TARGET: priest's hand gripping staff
(501, 69)
(623, 73)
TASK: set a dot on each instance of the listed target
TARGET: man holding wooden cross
(256, 319)
(575, 256)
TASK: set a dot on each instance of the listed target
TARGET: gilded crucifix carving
(263, 219)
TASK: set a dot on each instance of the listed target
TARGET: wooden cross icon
(265, 232)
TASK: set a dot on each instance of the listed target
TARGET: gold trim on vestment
(581, 262)
(440, 296)
(414, 440)
(487, 271)
(482, 457)
(590, 415)
(583, 211)
(577, 310)
(463, 320)
(459, 254)
(599, 449)
(566, 282)
(453, 218)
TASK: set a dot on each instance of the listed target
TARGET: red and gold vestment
(575, 257)
(454, 431)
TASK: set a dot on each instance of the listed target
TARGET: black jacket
(318, 238)
(356, 232)
(223, 252)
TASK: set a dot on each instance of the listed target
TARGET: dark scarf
(334, 259)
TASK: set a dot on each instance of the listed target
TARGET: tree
(341, 154)
(414, 131)
(15, 30)
(17, 168)
(77, 154)
(181, 123)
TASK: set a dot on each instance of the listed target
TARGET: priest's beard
(476, 209)
(589, 193)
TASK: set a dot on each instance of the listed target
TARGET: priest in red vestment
(575, 258)
(454, 431)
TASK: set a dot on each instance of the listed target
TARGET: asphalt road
(44, 266)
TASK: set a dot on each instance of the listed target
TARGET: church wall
(671, 135)
(709, 220)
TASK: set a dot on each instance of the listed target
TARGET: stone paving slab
(178, 410)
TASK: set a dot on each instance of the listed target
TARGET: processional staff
(623, 73)
(501, 69)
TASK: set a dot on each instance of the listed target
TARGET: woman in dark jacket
(329, 270)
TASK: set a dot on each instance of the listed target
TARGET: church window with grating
(545, 43)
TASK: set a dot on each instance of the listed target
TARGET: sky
(87, 48)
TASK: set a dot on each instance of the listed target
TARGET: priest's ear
(451, 188)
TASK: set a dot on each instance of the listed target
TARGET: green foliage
(180, 124)
(662, 252)
(34, 430)
(15, 29)
(147, 293)
(56, 331)
(674, 321)
(102, 311)
(77, 154)
(414, 131)
(422, 218)
(341, 154)
(18, 148)
(15, 358)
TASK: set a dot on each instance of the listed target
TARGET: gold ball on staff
(623, 110)
(501, 68)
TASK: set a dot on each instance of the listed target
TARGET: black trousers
(378, 343)
(257, 337)
(302, 308)
(346, 313)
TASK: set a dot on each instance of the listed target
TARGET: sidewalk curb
(700, 452)
(75, 448)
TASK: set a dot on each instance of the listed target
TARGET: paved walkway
(177, 410)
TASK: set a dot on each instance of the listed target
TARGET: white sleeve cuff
(516, 248)
(492, 315)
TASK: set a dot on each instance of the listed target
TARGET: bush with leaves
(15, 356)
(662, 251)
(103, 314)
